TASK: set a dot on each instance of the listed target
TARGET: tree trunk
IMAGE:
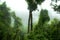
(31, 22)
(30, 25)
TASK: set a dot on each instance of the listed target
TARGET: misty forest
(12, 28)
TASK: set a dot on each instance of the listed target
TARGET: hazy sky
(20, 7)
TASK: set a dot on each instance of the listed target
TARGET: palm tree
(32, 5)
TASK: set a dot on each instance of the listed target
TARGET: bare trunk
(30, 22)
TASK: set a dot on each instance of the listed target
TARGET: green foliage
(39, 33)
(17, 27)
(56, 7)
(45, 29)
(17, 20)
(5, 15)
(43, 17)
(32, 4)
(40, 29)
(39, 1)
(56, 28)
(5, 21)
(6, 31)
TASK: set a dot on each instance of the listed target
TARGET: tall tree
(6, 31)
(5, 22)
(43, 17)
(40, 27)
(17, 26)
(39, 32)
(32, 5)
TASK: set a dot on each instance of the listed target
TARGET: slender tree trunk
(30, 22)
